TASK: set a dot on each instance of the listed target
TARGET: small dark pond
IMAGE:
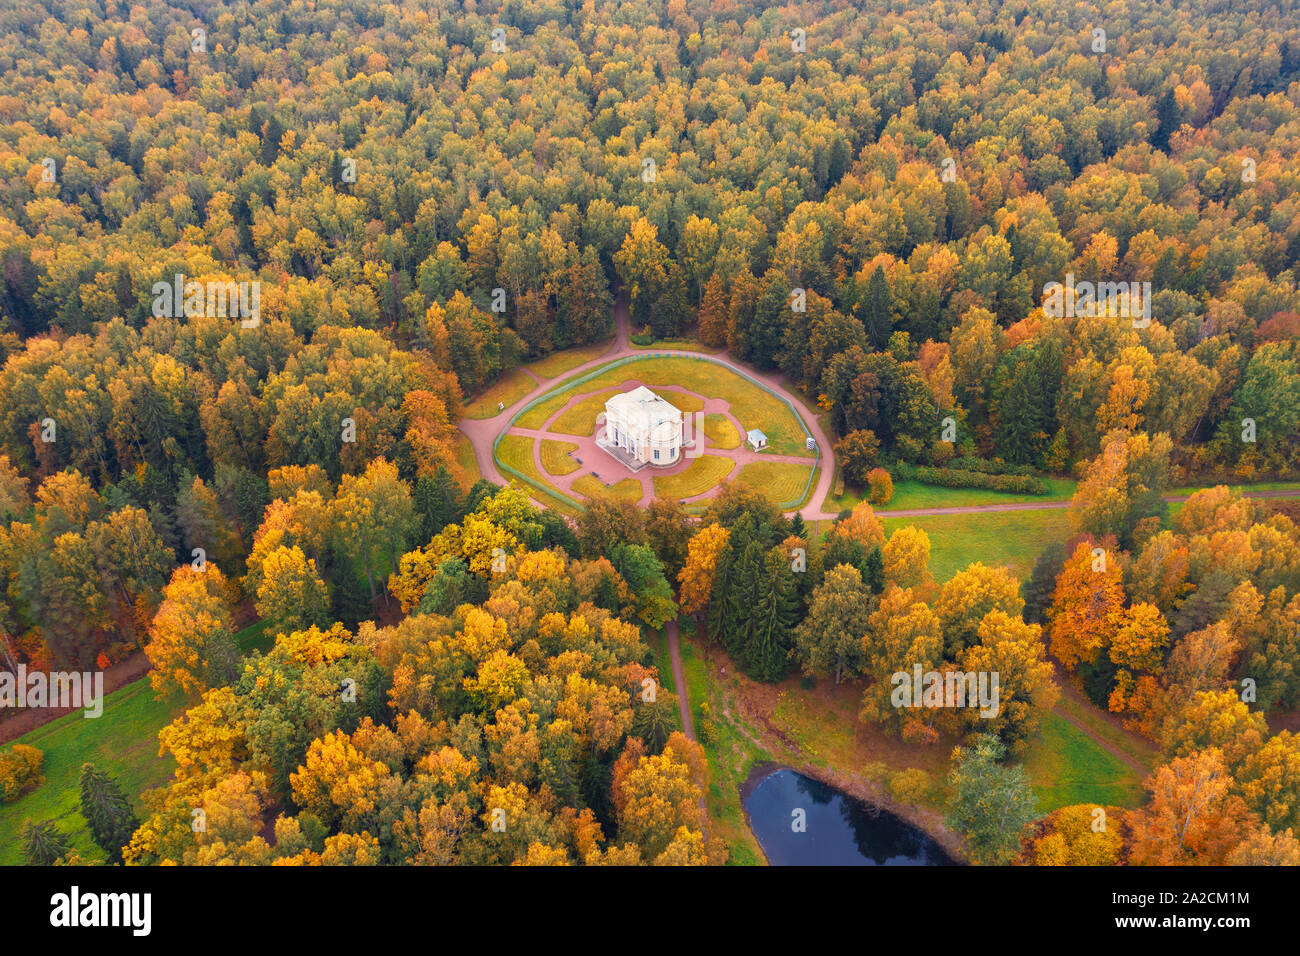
(839, 830)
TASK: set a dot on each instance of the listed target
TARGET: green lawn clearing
(731, 750)
(1011, 539)
(912, 495)
(678, 345)
(1066, 767)
(123, 741)
(517, 452)
(467, 461)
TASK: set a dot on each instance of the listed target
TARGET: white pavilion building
(642, 429)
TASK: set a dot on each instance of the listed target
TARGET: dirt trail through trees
(679, 678)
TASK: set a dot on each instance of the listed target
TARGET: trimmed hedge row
(971, 463)
(966, 478)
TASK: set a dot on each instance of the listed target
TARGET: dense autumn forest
(414, 200)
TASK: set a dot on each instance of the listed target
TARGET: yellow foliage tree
(696, 577)
(191, 641)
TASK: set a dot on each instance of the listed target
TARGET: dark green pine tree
(1019, 438)
(107, 810)
(1048, 370)
(437, 502)
(1167, 117)
(1038, 588)
(559, 768)
(42, 844)
(767, 656)
(155, 423)
(669, 309)
(350, 603)
(724, 577)
(479, 492)
(245, 495)
(272, 132)
(876, 308)
(596, 790)
(873, 571)
(653, 721)
(766, 330)
(556, 533)
(742, 601)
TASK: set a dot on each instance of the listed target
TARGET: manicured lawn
(517, 452)
(909, 495)
(684, 402)
(465, 458)
(700, 475)
(560, 362)
(255, 637)
(720, 432)
(555, 457)
(536, 416)
(508, 389)
(1066, 767)
(782, 481)
(590, 486)
(580, 417)
(545, 499)
(752, 405)
(1012, 539)
(123, 741)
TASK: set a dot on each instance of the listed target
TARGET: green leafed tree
(992, 803)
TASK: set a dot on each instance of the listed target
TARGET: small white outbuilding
(756, 439)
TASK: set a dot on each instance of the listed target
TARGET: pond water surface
(840, 830)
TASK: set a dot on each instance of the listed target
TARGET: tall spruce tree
(107, 810)
(437, 503)
(742, 601)
(767, 655)
(724, 577)
(653, 721)
(876, 309)
(43, 845)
